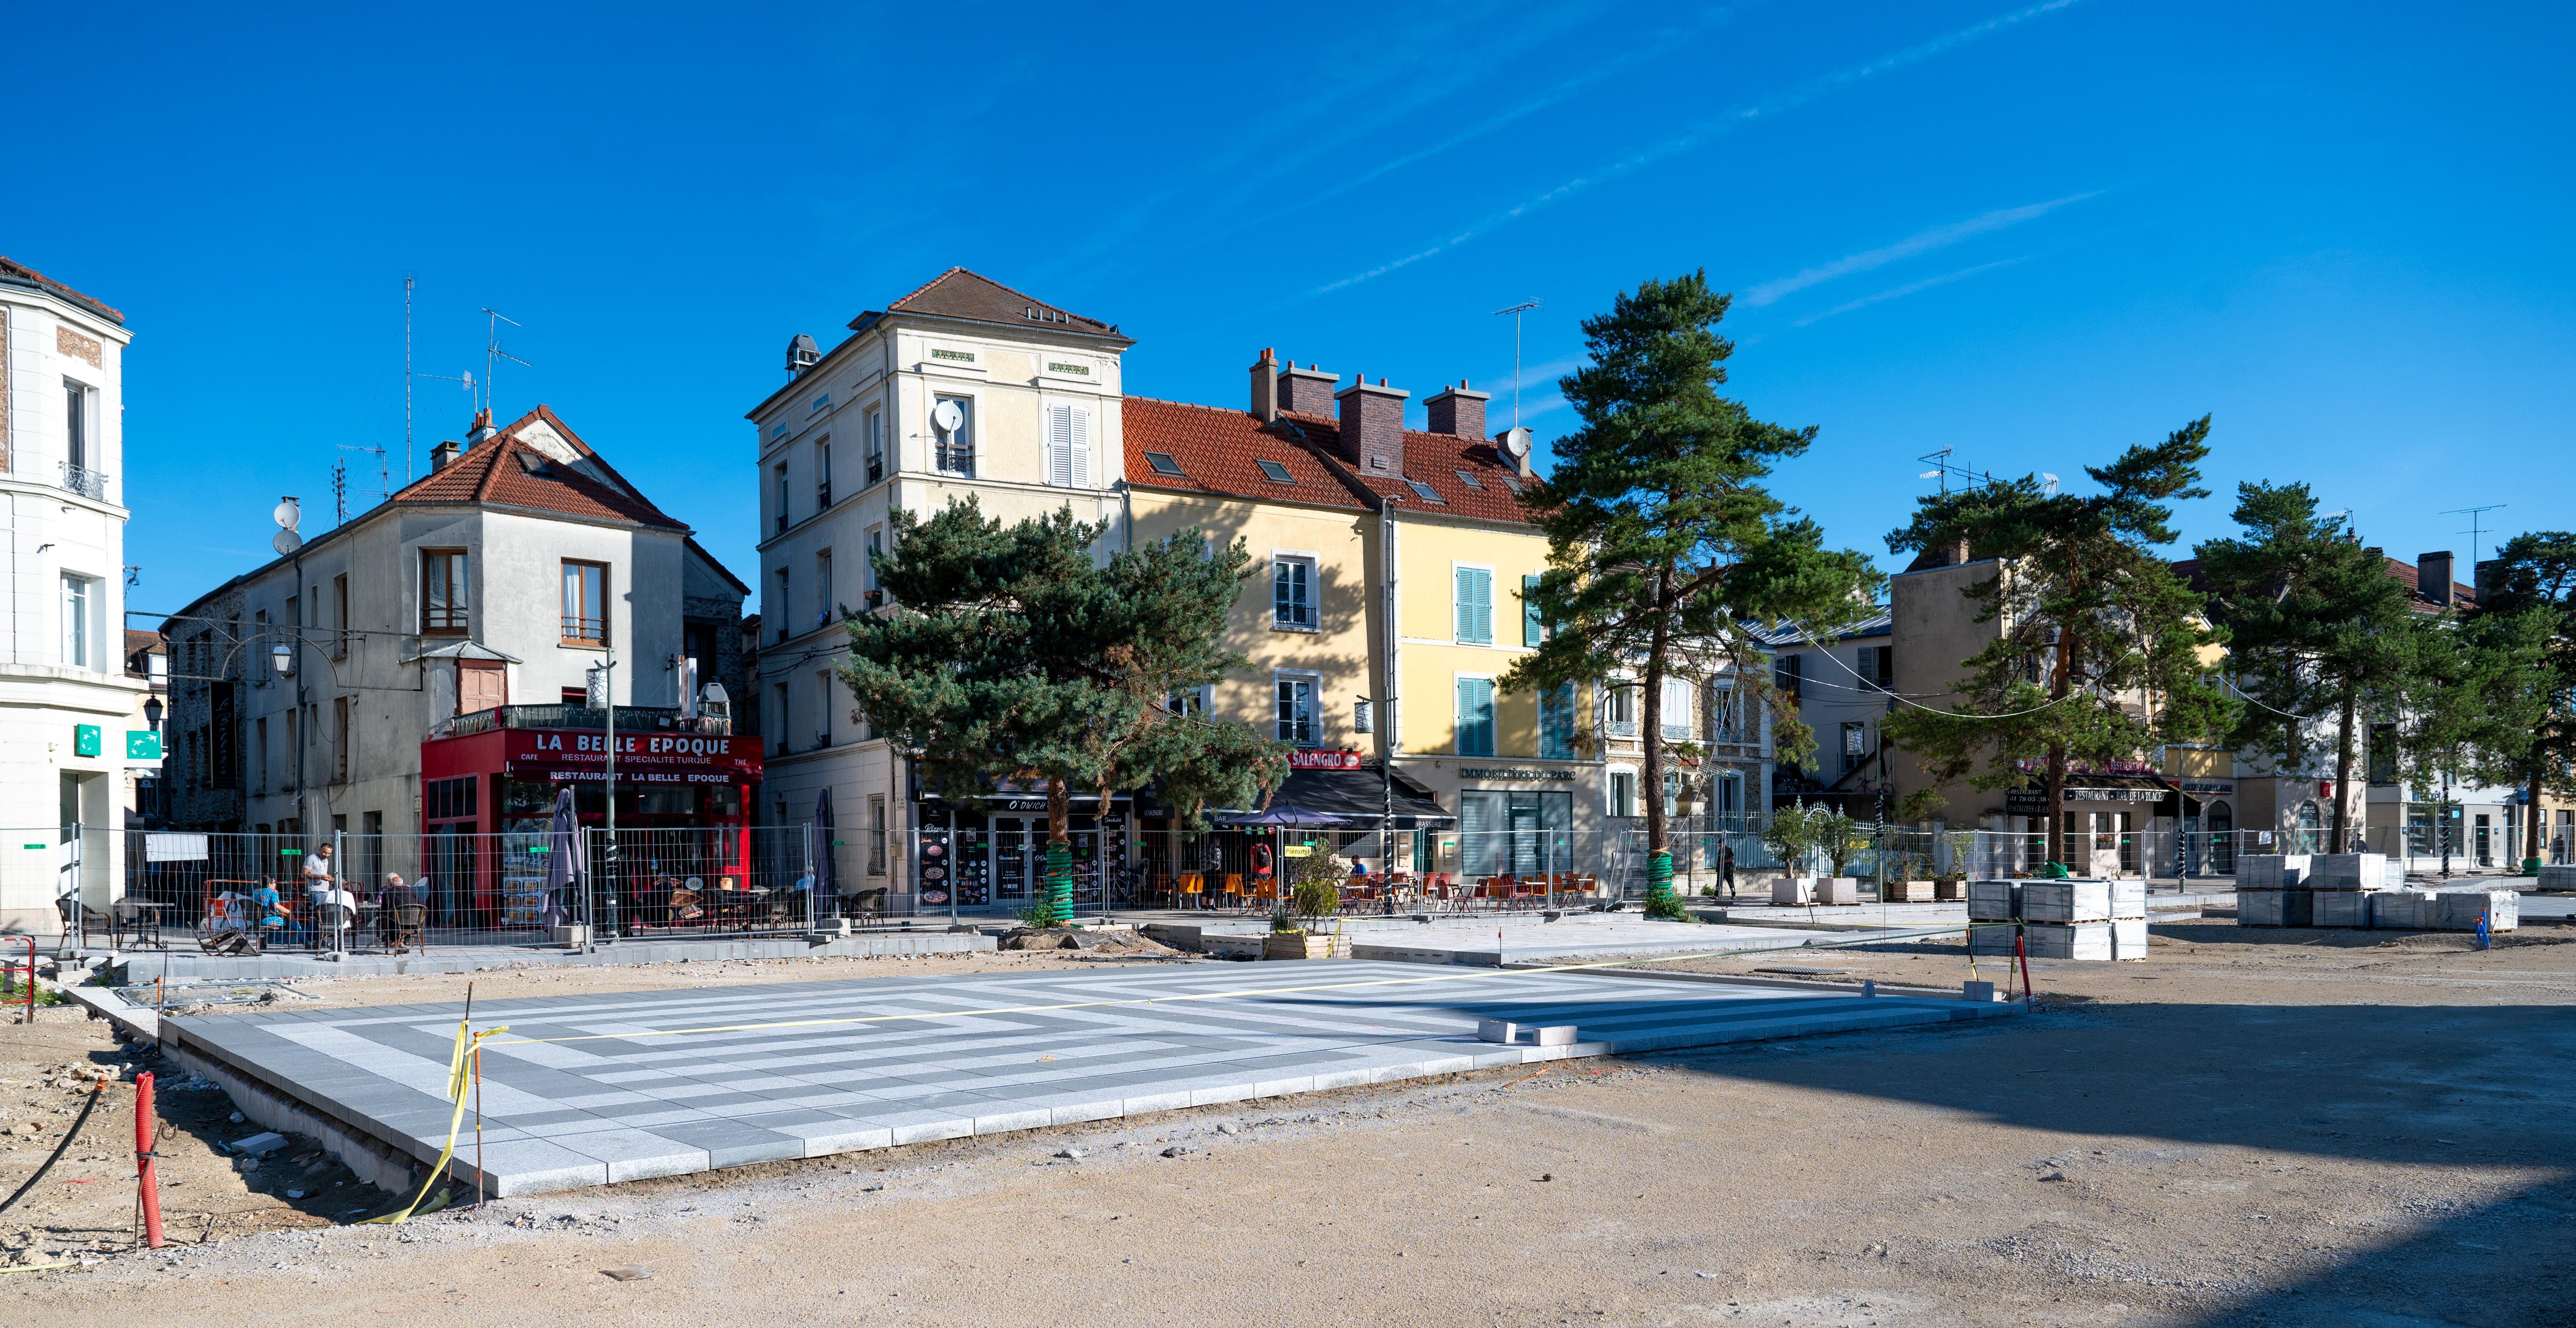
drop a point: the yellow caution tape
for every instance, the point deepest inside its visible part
(459, 1076)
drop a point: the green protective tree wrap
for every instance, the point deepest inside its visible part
(1059, 881)
(1660, 900)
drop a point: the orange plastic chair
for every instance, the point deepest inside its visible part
(1234, 889)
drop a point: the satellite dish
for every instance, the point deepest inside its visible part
(2048, 484)
(287, 541)
(947, 418)
(288, 513)
(1516, 442)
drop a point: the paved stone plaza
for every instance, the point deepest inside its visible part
(593, 1089)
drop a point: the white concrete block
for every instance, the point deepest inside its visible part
(2066, 901)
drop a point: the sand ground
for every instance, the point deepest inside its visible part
(2278, 1127)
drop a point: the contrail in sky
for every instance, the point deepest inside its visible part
(1939, 237)
(1907, 289)
(1787, 101)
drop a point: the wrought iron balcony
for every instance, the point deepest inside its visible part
(85, 482)
(660, 719)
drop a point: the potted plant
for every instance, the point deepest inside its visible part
(1314, 892)
(1840, 839)
(1953, 884)
(1909, 880)
(1790, 835)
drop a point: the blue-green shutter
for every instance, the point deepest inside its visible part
(1531, 630)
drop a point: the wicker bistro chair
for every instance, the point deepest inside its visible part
(410, 921)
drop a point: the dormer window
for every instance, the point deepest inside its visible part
(1163, 463)
(1275, 473)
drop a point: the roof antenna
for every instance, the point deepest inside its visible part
(2473, 513)
(1516, 311)
(493, 354)
(467, 378)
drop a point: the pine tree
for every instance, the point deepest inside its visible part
(1010, 653)
(2098, 649)
(2316, 627)
(2523, 628)
(1662, 540)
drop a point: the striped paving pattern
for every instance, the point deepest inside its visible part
(595, 1089)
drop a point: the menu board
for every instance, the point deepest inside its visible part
(938, 865)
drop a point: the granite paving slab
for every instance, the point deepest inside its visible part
(590, 1090)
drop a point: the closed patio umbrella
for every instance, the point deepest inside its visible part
(827, 872)
(567, 864)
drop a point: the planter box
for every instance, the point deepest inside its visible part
(1305, 945)
(1950, 887)
(2461, 909)
(1838, 890)
(2273, 908)
(2059, 940)
(2271, 871)
(1233, 947)
(1792, 890)
(1994, 901)
(2066, 901)
(2128, 901)
(2404, 910)
(2352, 871)
(1906, 892)
(2341, 908)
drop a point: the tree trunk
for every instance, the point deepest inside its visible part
(2343, 771)
(1059, 812)
(1059, 853)
(1650, 733)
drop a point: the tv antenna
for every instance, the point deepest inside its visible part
(1516, 311)
(1943, 468)
(466, 378)
(2473, 513)
(492, 352)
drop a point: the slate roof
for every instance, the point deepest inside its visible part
(506, 471)
(19, 274)
(976, 298)
(1217, 451)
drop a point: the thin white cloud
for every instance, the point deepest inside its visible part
(1939, 237)
(1909, 288)
(1700, 133)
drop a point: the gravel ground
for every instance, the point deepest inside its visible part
(2248, 1127)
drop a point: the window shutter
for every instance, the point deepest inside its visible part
(1532, 631)
(1059, 446)
(1078, 434)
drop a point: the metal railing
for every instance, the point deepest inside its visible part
(84, 481)
(630, 719)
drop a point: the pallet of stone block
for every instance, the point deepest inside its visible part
(2065, 940)
(2558, 876)
(2066, 901)
(2404, 910)
(2128, 938)
(2459, 910)
(2271, 871)
(2273, 908)
(2341, 908)
(1994, 901)
(1993, 939)
(2129, 901)
(2351, 871)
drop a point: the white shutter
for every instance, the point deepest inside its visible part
(1059, 446)
(1078, 437)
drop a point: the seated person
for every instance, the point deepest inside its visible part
(333, 907)
(267, 910)
(395, 895)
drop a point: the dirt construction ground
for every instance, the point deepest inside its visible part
(2249, 1127)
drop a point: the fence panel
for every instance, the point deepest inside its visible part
(703, 881)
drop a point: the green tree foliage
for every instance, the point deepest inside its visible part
(2523, 633)
(1661, 536)
(2316, 628)
(2099, 648)
(1012, 653)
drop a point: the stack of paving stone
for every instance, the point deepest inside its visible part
(1993, 902)
(2343, 886)
(2445, 910)
(2085, 919)
(2558, 876)
(2272, 890)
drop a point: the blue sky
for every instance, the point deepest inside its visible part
(2034, 234)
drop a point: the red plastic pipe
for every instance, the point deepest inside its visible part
(147, 1181)
(2021, 951)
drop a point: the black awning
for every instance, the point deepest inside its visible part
(1361, 796)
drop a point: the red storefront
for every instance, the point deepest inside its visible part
(683, 800)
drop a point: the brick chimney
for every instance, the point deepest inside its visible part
(1373, 427)
(1265, 386)
(1307, 391)
(2433, 576)
(1458, 411)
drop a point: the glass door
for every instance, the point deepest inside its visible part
(1019, 858)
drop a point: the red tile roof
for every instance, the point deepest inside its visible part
(2462, 596)
(28, 276)
(1217, 450)
(1435, 460)
(505, 471)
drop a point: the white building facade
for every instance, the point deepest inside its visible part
(964, 387)
(65, 700)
